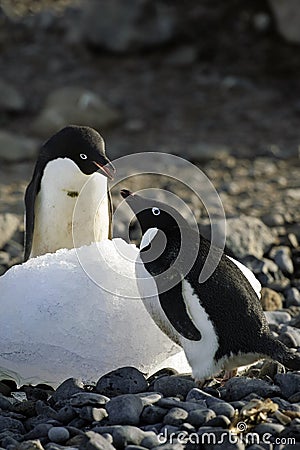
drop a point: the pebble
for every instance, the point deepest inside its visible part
(97, 442)
(270, 299)
(7, 423)
(176, 417)
(174, 386)
(124, 409)
(200, 416)
(277, 317)
(289, 383)
(92, 414)
(153, 414)
(238, 388)
(292, 297)
(88, 399)
(126, 380)
(122, 435)
(282, 257)
(273, 428)
(68, 388)
(58, 434)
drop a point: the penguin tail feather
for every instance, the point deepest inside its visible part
(282, 354)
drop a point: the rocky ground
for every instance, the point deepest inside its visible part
(232, 110)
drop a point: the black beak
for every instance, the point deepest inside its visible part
(125, 193)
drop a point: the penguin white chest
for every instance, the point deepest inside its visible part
(71, 208)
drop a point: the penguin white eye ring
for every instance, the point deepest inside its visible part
(83, 156)
(156, 211)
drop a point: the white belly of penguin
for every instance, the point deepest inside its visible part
(200, 354)
(71, 208)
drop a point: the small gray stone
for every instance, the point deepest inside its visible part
(68, 388)
(174, 386)
(150, 440)
(66, 414)
(58, 434)
(39, 431)
(153, 414)
(273, 428)
(176, 417)
(124, 409)
(88, 399)
(198, 395)
(277, 317)
(286, 405)
(6, 423)
(187, 406)
(219, 421)
(223, 409)
(238, 388)
(97, 442)
(126, 380)
(5, 404)
(292, 297)
(16, 147)
(149, 398)
(282, 257)
(287, 18)
(92, 414)
(289, 383)
(122, 435)
(199, 417)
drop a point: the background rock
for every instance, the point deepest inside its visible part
(74, 105)
(287, 16)
(16, 148)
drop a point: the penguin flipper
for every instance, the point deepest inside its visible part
(173, 305)
(30, 196)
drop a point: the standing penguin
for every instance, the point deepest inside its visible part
(72, 159)
(219, 323)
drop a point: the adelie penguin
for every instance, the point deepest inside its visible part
(71, 169)
(219, 323)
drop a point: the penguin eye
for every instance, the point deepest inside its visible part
(156, 211)
(83, 156)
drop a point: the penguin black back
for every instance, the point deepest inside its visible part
(228, 298)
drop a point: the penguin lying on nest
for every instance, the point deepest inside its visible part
(219, 323)
(66, 162)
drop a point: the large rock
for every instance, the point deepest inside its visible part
(16, 147)
(128, 25)
(74, 105)
(287, 15)
(10, 99)
(248, 235)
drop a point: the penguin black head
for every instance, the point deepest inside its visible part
(83, 145)
(152, 213)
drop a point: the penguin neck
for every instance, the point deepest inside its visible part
(159, 253)
(71, 208)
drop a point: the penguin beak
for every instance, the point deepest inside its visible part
(107, 169)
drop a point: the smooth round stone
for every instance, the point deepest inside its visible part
(223, 409)
(126, 380)
(277, 317)
(200, 416)
(7, 423)
(92, 414)
(167, 430)
(289, 383)
(58, 434)
(150, 440)
(197, 395)
(238, 388)
(149, 398)
(124, 410)
(292, 297)
(273, 428)
(67, 389)
(39, 431)
(219, 421)
(153, 414)
(173, 386)
(123, 435)
(66, 414)
(176, 417)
